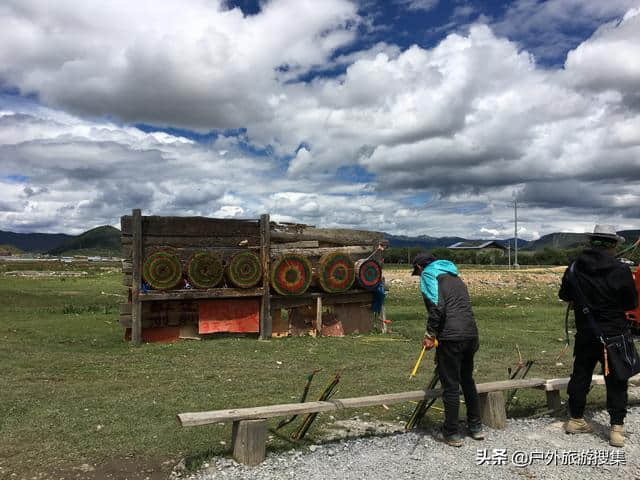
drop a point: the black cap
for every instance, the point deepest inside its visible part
(422, 260)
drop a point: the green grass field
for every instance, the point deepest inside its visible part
(74, 392)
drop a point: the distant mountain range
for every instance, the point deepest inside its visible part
(105, 240)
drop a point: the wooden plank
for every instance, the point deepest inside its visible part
(136, 311)
(127, 280)
(492, 410)
(509, 384)
(301, 244)
(191, 226)
(240, 242)
(249, 441)
(200, 294)
(318, 252)
(203, 418)
(266, 326)
(335, 236)
(125, 309)
(319, 316)
(127, 267)
(352, 296)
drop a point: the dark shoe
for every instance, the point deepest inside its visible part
(454, 440)
(476, 432)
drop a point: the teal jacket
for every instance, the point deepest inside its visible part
(447, 301)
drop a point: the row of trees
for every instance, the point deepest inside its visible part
(548, 256)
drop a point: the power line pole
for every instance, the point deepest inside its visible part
(515, 212)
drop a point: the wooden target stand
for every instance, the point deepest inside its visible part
(321, 312)
(187, 235)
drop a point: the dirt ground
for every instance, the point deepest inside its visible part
(482, 281)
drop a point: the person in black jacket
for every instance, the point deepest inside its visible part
(451, 322)
(608, 286)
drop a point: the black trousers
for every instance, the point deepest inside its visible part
(588, 351)
(455, 369)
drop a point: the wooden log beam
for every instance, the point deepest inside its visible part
(332, 236)
(201, 294)
(265, 305)
(318, 252)
(204, 418)
(136, 280)
(191, 226)
(239, 242)
(352, 296)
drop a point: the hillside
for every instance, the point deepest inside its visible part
(571, 240)
(103, 240)
(33, 242)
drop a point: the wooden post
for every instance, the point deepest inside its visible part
(319, 316)
(136, 306)
(249, 441)
(492, 409)
(554, 402)
(383, 318)
(265, 248)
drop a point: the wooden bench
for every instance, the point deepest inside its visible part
(553, 386)
(250, 426)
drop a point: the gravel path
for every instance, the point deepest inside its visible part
(527, 448)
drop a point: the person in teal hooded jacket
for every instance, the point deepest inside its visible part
(451, 321)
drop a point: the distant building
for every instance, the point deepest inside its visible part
(477, 245)
(491, 250)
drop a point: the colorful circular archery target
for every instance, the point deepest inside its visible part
(244, 270)
(291, 274)
(368, 274)
(205, 270)
(162, 270)
(336, 272)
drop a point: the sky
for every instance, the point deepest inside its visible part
(413, 117)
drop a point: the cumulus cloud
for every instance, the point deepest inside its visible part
(549, 28)
(463, 124)
(197, 64)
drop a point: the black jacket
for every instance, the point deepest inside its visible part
(608, 287)
(452, 318)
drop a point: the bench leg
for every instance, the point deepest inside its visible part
(249, 441)
(553, 400)
(492, 409)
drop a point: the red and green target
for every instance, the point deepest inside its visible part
(162, 270)
(336, 272)
(368, 274)
(291, 274)
(204, 270)
(244, 270)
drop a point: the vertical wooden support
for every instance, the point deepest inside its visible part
(265, 248)
(554, 402)
(136, 306)
(319, 316)
(249, 441)
(383, 320)
(492, 409)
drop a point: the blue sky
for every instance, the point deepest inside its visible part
(408, 116)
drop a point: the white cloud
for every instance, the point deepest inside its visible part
(464, 123)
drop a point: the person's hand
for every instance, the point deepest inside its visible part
(429, 342)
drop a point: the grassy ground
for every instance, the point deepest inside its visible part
(74, 392)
